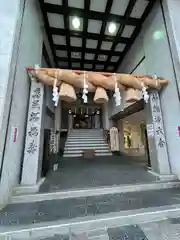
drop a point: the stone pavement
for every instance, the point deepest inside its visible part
(63, 209)
(168, 229)
(78, 173)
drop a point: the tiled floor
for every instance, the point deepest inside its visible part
(77, 173)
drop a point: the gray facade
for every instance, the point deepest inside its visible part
(22, 37)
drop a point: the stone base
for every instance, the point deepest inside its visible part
(89, 154)
(27, 189)
(164, 177)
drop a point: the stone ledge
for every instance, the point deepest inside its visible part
(95, 191)
(164, 177)
(27, 189)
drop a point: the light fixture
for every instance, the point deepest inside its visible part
(76, 54)
(112, 28)
(70, 111)
(158, 35)
(76, 22)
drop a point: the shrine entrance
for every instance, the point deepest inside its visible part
(83, 122)
(88, 117)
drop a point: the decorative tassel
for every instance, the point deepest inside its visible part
(117, 94)
(85, 90)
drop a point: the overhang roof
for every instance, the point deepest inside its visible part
(92, 47)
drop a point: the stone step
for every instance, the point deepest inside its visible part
(82, 147)
(82, 144)
(72, 155)
(95, 191)
(103, 154)
(85, 134)
(81, 151)
(154, 223)
(86, 130)
(85, 137)
(85, 140)
(81, 154)
(86, 143)
(91, 215)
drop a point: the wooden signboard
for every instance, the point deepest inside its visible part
(114, 139)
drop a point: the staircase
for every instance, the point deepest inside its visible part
(79, 140)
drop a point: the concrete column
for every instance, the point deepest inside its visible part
(121, 135)
(70, 122)
(105, 116)
(97, 121)
(32, 153)
(11, 13)
(163, 66)
(156, 135)
(20, 46)
(171, 13)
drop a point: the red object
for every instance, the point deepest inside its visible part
(15, 135)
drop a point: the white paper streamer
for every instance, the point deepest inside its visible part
(55, 92)
(144, 93)
(85, 90)
(117, 94)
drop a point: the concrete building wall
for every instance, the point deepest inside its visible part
(11, 14)
(153, 44)
(158, 59)
(171, 14)
(31, 38)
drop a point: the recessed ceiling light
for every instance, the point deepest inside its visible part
(76, 22)
(112, 28)
(76, 54)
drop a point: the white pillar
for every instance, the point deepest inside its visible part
(33, 152)
(156, 135)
